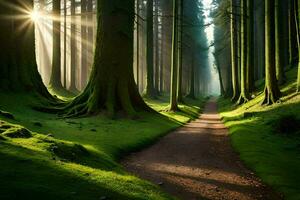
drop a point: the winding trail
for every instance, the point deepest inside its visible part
(197, 162)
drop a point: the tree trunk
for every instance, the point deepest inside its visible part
(111, 87)
(244, 96)
(156, 31)
(234, 56)
(298, 40)
(272, 92)
(18, 67)
(292, 34)
(250, 51)
(192, 78)
(90, 34)
(73, 49)
(55, 79)
(222, 89)
(174, 63)
(150, 90)
(84, 44)
(180, 45)
(138, 43)
(279, 39)
(65, 44)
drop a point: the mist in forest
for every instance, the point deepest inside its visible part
(214, 82)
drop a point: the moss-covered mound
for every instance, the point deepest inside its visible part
(17, 132)
(70, 152)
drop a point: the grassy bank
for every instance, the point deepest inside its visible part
(268, 138)
(77, 158)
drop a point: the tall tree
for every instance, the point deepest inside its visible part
(292, 33)
(250, 51)
(18, 67)
(180, 47)
(65, 44)
(244, 96)
(234, 49)
(111, 87)
(156, 32)
(279, 41)
(138, 43)
(174, 61)
(191, 93)
(90, 34)
(84, 44)
(150, 90)
(298, 41)
(73, 50)
(272, 92)
(55, 79)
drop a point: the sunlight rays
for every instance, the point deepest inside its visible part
(43, 19)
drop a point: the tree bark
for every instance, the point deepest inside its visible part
(55, 79)
(250, 51)
(174, 61)
(111, 87)
(138, 43)
(298, 41)
(150, 90)
(73, 49)
(272, 92)
(180, 45)
(157, 48)
(65, 44)
(84, 44)
(234, 56)
(192, 79)
(244, 96)
(279, 41)
(292, 34)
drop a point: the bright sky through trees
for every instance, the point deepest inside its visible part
(215, 83)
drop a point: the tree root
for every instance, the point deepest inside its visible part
(270, 98)
(242, 100)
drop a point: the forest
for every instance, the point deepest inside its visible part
(149, 99)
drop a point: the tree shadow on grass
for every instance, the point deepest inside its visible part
(25, 174)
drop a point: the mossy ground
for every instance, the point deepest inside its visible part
(273, 154)
(78, 158)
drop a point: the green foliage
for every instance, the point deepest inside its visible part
(255, 135)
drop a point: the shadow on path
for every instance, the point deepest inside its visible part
(198, 162)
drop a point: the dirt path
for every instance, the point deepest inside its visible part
(197, 162)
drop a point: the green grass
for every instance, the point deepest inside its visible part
(273, 155)
(78, 158)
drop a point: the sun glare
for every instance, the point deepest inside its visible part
(35, 15)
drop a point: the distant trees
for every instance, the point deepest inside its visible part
(55, 79)
(250, 58)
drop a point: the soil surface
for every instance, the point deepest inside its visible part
(197, 162)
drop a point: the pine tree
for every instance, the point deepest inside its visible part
(111, 87)
(272, 92)
(55, 79)
(174, 61)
